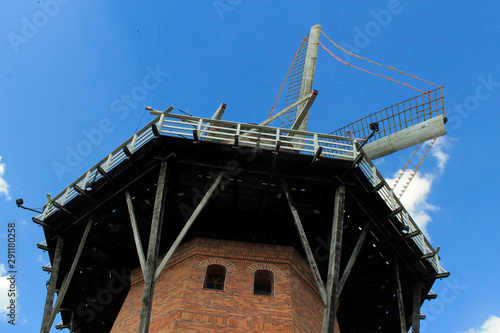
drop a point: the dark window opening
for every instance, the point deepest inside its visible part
(263, 282)
(215, 277)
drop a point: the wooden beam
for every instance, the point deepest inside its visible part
(153, 248)
(304, 114)
(410, 235)
(334, 261)
(105, 175)
(377, 187)
(399, 294)
(392, 214)
(305, 243)
(285, 110)
(43, 224)
(69, 276)
(423, 257)
(83, 193)
(108, 198)
(386, 238)
(187, 226)
(354, 256)
(137, 235)
(61, 207)
(354, 163)
(417, 301)
(52, 282)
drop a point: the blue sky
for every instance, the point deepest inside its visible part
(70, 68)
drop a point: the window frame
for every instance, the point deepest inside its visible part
(205, 280)
(272, 275)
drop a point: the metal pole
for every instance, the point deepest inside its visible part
(309, 69)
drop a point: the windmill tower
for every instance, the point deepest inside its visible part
(206, 225)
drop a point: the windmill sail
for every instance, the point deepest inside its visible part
(402, 125)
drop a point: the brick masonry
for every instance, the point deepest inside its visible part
(181, 304)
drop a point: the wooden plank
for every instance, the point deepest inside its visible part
(354, 256)
(305, 243)
(187, 226)
(69, 276)
(399, 294)
(52, 282)
(334, 261)
(417, 301)
(137, 235)
(153, 248)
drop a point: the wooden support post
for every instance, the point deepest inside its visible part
(309, 70)
(305, 243)
(188, 225)
(334, 261)
(68, 277)
(72, 322)
(137, 235)
(354, 256)
(417, 301)
(399, 294)
(52, 282)
(153, 248)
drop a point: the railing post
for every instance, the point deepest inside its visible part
(198, 128)
(132, 144)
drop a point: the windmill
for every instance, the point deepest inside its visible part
(306, 217)
(401, 126)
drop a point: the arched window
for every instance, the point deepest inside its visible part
(263, 283)
(215, 277)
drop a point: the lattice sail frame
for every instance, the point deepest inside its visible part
(399, 116)
(294, 85)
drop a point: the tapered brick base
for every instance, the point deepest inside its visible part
(181, 304)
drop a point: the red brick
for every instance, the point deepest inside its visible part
(182, 305)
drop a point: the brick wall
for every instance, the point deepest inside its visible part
(181, 304)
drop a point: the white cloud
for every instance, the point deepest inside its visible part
(491, 325)
(4, 287)
(416, 195)
(437, 151)
(4, 186)
(415, 200)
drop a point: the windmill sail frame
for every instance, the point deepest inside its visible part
(394, 120)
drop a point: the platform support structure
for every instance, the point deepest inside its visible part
(417, 294)
(334, 261)
(51, 289)
(153, 249)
